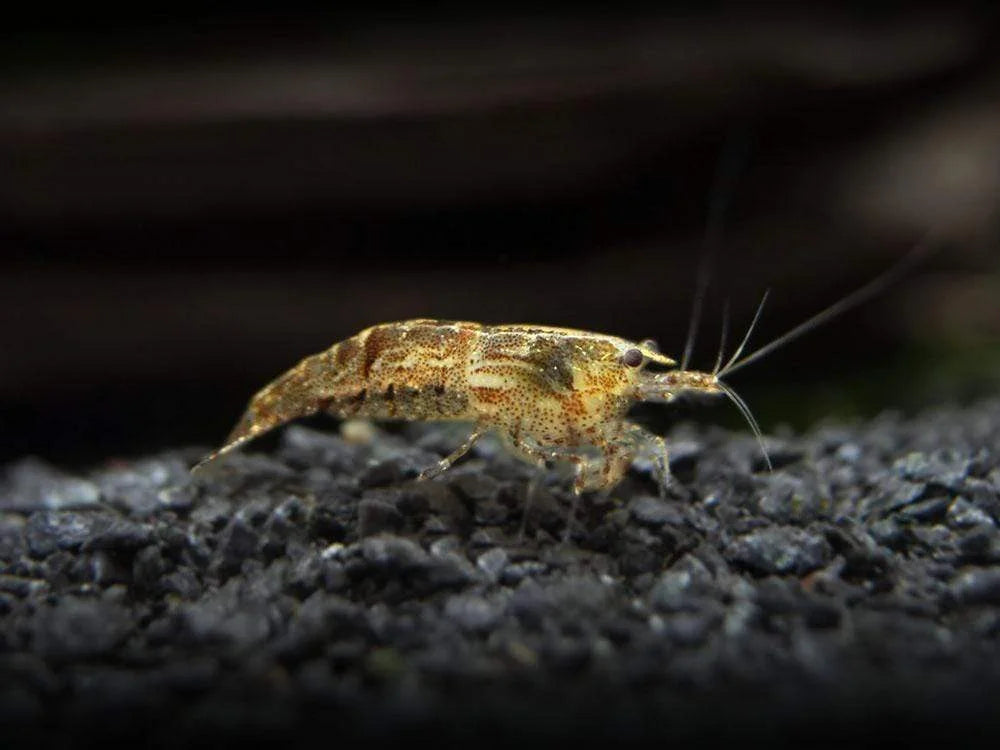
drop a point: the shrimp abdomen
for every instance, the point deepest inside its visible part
(409, 370)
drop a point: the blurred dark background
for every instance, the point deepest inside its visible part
(190, 204)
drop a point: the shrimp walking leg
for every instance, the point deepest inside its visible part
(443, 465)
(531, 451)
(598, 474)
(643, 442)
(534, 487)
(591, 471)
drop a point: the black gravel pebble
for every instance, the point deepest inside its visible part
(779, 549)
(79, 628)
(322, 588)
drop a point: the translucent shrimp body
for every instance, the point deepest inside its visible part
(553, 394)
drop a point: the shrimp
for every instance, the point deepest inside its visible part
(552, 394)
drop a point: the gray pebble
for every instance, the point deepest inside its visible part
(76, 628)
(980, 545)
(474, 486)
(977, 586)
(48, 531)
(326, 522)
(222, 619)
(148, 568)
(180, 498)
(652, 511)
(301, 445)
(787, 498)
(689, 629)
(32, 484)
(473, 612)
(779, 550)
(925, 511)
(963, 514)
(516, 572)
(889, 533)
(118, 534)
(237, 542)
(20, 586)
(985, 495)
(136, 488)
(943, 467)
(685, 582)
(382, 473)
(492, 562)
(892, 492)
(213, 513)
(449, 570)
(393, 552)
(376, 515)
(183, 583)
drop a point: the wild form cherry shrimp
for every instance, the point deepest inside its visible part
(552, 394)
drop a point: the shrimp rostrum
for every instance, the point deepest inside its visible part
(552, 394)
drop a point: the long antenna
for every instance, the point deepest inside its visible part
(723, 187)
(746, 338)
(751, 420)
(855, 298)
(701, 286)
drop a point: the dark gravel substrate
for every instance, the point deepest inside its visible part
(321, 591)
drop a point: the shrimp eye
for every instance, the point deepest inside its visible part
(632, 358)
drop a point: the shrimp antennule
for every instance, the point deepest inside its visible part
(753, 323)
(722, 339)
